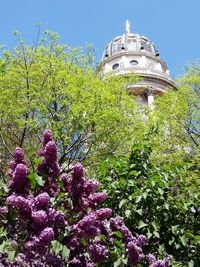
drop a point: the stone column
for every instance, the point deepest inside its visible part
(150, 98)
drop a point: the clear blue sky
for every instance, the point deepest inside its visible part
(173, 25)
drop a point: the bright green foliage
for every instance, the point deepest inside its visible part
(177, 120)
(159, 201)
(54, 86)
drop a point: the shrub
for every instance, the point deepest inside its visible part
(157, 201)
(49, 218)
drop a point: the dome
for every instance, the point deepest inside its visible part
(129, 42)
(133, 53)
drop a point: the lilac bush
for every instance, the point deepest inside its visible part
(58, 222)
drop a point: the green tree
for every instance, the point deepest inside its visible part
(176, 119)
(53, 86)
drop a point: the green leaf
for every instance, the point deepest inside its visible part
(138, 199)
(37, 161)
(142, 224)
(139, 211)
(156, 234)
(123, 202)
(149, 234)
(160, 190)
(144, 195)
(117, 263)
(39, 180)
(184, 240)
(4, 186)
(191, 263)
(127, 213)
(174, 229)
(65, 252)
(155, 225)
(56, 246)
(117, 233)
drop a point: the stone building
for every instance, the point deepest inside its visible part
(131, 52)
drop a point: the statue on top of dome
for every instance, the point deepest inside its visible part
(128, 26)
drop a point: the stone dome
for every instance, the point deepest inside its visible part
(132, 52)
(129, 42)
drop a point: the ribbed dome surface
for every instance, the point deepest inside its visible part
(129, 42)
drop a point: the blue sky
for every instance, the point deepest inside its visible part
(173, 25)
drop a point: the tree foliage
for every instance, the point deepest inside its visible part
(176, 119)
(52, 85)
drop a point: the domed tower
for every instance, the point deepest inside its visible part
(134, 53)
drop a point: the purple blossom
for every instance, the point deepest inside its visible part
(78, 261)
(50, 152)
(20, 174)
(18, 155)
(133, 253)
(90, 186)
(98, 197)
(12, 165)
(42, 200)
(67, 182)
(87, 221)
(98, 252)
(39, 218)
(141, 241)
(157, 263)
(78, 171)
(48, 136)
(103, 213)
(91, 232)
(47, 235)
(21, 203)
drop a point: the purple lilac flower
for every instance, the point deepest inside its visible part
(19, 182)
(48, 136)
(78, 171)
(78, 261)
(21, 203)
(98, 252)
(18, 155)
(103, 213)
(42, 200)
(54, 170)
(12, 165)
(87, 221)
(90, 232)
(47, 235)
(90, 186)
(60, 220)
(54, 260)
(151, 258)
(67, 182)
(133, 253)
(98, 197)
(39, 218)
(50, 152)
(157, 263)
(141, 241)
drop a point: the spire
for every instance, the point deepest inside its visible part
(128, 26)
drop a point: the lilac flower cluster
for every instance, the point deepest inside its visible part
(88, 232)
(19, 182)
(133, 245)
(158, 263)
(49, 166)
(83, 191)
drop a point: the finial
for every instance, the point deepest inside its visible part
(128, 26)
